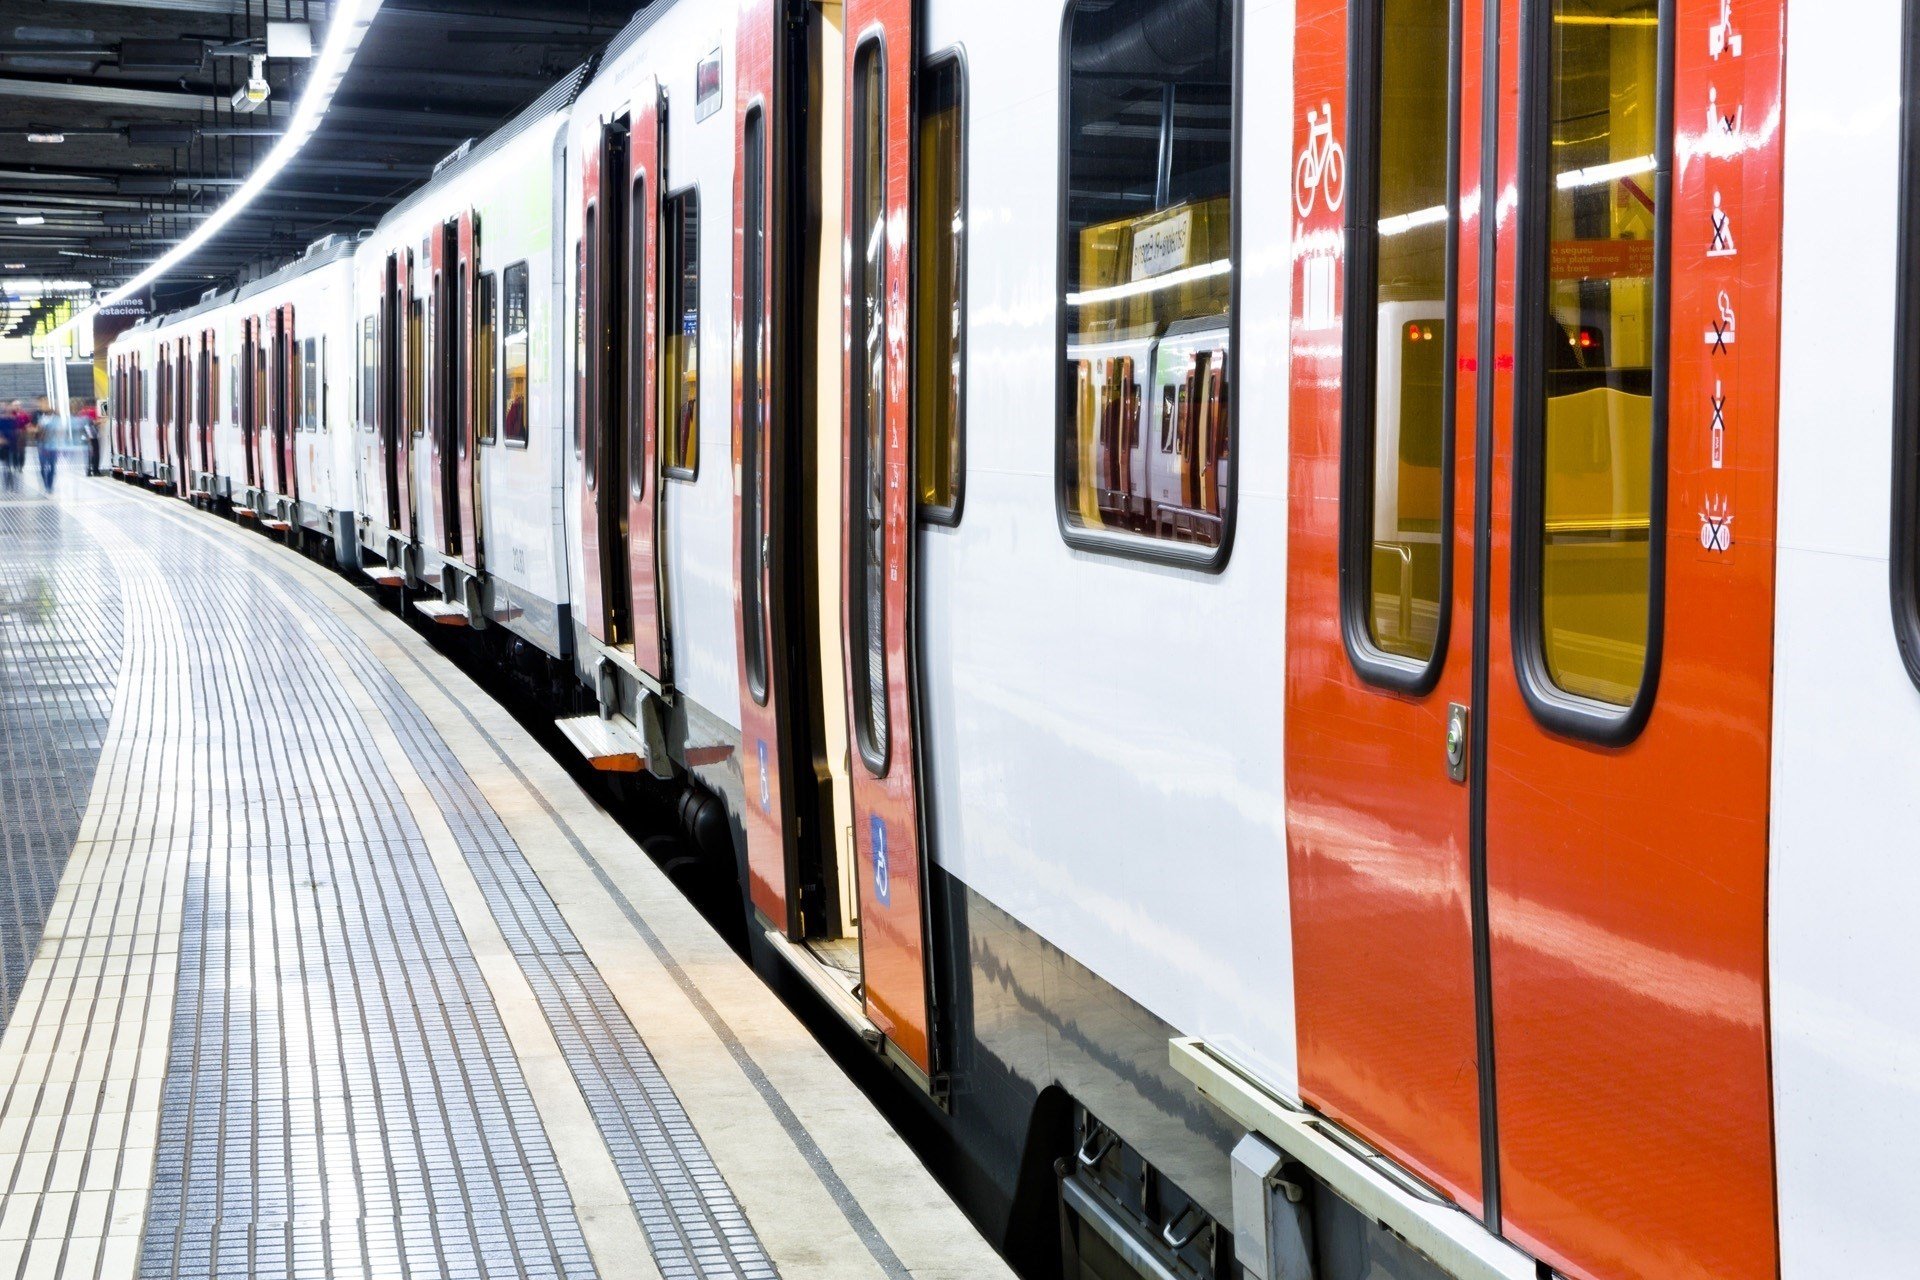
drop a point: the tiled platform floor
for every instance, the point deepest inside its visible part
(305, 1002)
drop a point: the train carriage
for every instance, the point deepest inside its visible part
(296, 382)
(1283, 604)
(457, 329)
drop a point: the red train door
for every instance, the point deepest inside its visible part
(764, 420)
(1630, 620)
(880, 526)
(439, 371)
(467, 489)
(1528, 784)
(187, 417)
(288, 352)
(396, 423)
(599, 439)
(640, 369)
(209, 395)
(1379, 604)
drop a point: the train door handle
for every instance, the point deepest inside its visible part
(1459, 734)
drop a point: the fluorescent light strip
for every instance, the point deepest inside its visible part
(1172, 280)
(1600, 174)
(1601, 20)
(20, 288)
(346, 27)
(1401, 223)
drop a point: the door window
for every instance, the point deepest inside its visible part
(486, 339)
(680, 316)
(1589, 439)
(369, 372)
(416, 367)
(1147, 250)
(867, 407)
(1396, 490)
(514, 423)
(940, 213)
(1905, 549)
(753, 536)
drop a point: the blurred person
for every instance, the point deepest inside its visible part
(49, 437)
(12, 438)
(86, 433)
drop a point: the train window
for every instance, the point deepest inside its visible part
(1396, 454)
(592, 335)
(486, 330)
(753, 408)
(1147, 279)
(1591, 393)
(867, 406)
(515, 358)
(579, 346)
(214, 388)
(637, 333)
(369, 372)
(680, 316)
(1905, 549)
(416, 367)
(310, 384)
(940, 214)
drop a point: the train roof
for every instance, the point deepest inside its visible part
(556, 99)
(630, 34)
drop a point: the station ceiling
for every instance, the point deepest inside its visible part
(118, 124)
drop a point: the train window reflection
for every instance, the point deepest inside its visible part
(680, 315)
(1403, 366)
(1597, 364)
(940, 286)
(514, 426)
(1149, 278)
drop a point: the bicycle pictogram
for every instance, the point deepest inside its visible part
(1322, 165)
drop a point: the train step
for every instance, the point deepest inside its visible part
(443, 612)
(611, 746)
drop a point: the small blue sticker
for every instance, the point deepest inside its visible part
(882, 872)
(766, 785)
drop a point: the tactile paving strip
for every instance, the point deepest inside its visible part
(340, 1096)
(59, 655)
(694, 1225)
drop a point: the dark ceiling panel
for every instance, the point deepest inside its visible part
(133, 102)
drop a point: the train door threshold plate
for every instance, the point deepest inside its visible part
(1453, 1240)
(444, 612)
(615, 745)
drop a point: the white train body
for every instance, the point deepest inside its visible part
(971, 495)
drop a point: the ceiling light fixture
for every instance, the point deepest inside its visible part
(345, 30)
(46, 137)
(31, 220)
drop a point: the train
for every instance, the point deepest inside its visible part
(1305, 614)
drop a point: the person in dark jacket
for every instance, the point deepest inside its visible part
(13, 446)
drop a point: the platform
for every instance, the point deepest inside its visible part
(314, 964)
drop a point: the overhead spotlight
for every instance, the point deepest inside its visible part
(250, 95)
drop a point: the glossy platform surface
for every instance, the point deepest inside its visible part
(345, 977)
